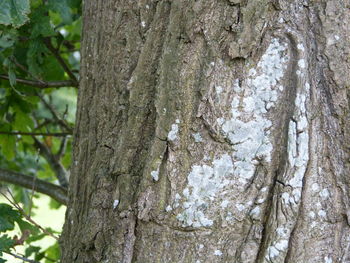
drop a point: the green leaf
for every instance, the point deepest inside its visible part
(8, 216)
(6, 243)
(14, 12)
(33, 238)
(23, 122)
(53, 70)
(8, 146)
(53, 252)
(61, 7)
(31, 250)
(7, 41)
(41, 26)
(24, 225)
(35, 56)
(12, 77)
(54, 204)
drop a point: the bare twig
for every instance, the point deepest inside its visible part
(28, 218)
(54, 163)
(24, 69)
(44, 123)
(61, 122)
(54, 191)
(42, 84)
(32, 196)
(60, 60)
(21, 258)
(62, 148)
(55, 134)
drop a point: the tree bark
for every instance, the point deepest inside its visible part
(211, 131)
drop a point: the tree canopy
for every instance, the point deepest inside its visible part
(39, 66)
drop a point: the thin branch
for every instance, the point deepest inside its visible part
(44, 123)
(54, 191)
(60, 60)
(21, 258)
(28, 218)
(54, 163)
(55, 134)
(42, 84)
(62, 148)
(61, 122)
(32, 196)
(25, 70)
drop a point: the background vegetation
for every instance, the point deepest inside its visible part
(39, 65)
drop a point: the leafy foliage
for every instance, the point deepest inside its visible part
(39, 65)
(14, 12)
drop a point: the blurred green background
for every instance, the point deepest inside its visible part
(39, 75)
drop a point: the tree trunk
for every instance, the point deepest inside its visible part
(212, 131)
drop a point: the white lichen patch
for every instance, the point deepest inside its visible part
(197, 137)
(248, 128)
(324, 193)
(328, 259)
(224, 203)
(315, 187)
(218, 90)
(298, 144)
(172, 135)
(298, 157)
(255, 213)
(322, 213)
(229, 217)
(300, 47)
(312, 215)
(155, 175)
(115, 203)
(278, 247)
(282, 232)
(301, 63)
(240, 207)
(204, 184)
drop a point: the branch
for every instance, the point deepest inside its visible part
(60, 60)
(55, 134)
(54, 191)
(28, 218)
(43, 84)
(21, 258)
(54, 163)
(63, 123)
(62, 148)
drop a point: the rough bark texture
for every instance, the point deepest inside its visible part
(212, 131)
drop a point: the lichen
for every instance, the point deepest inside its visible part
(328, 260)
(172, 135)
(115, 203)
(324, 193)
(247, 129)
(204, 183)
(277, 248)
(197, 137)
(155, 175)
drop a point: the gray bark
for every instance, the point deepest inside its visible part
(211, 131)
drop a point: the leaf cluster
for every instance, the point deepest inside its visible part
(39, 74)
